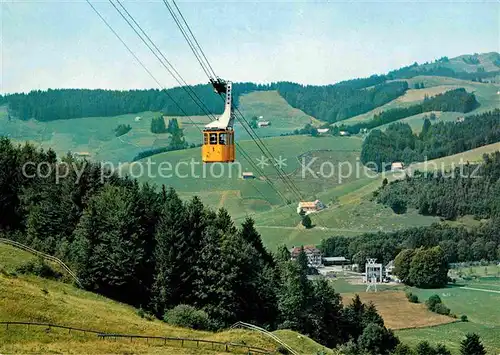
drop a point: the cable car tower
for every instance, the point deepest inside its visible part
(373, 271)
(218, 135)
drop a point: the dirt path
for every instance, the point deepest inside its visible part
(225, 194)
(321, 228)
(480, 289)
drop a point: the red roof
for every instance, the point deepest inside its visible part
(307, 249)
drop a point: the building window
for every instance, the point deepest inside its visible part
(213, 138)
(205, 138)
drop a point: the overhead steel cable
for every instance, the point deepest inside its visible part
(191, 32)
(141, 63)
(171, 98)
(170, 68)
(264, 150)
(188, 40)
(196, 99)
(258, 141)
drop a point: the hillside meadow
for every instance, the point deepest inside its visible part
(33, 299)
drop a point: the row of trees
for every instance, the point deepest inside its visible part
(122, 129)
(398, 143)
(457, 243)
(457, 100)
(467, 190)
(59, 104)
(438, 69)
(149, 248)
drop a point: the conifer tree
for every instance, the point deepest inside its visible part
(472, 345)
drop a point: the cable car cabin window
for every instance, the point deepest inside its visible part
(222, 138)
(205, 138)
(213, 138)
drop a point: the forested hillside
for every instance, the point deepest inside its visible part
(468, 190)
(338, 102)
(398, 143)
(149, 248)
(457, 100)
(474, 68)
(74, 103)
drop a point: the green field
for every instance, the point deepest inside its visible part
(417, 121)
(445, 163)
(481, 308)
(217, 179)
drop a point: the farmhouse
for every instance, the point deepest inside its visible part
(309, 207)
(389, 268)
(460, 119)
(247, 175)
(323, 130)
(263, 123)
(344, 133)
(397, 166)
(313, 255)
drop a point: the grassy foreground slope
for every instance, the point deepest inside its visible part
(29, 298)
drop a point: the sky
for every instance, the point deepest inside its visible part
(64, 44)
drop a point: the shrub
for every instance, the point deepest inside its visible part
(413, 298)
(40, 268)
(432, 302)
(141, 313)
(441, 309)
(464, 318)
(187, 316)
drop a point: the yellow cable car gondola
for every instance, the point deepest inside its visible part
(218, 136)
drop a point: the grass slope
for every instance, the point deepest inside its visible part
(29, 298)
(486, 95)
(445, 163)
(221, 185)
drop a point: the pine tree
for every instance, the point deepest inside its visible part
(282, 254)
(472, 345)
(326, 314)
(306, 221)
(302, 261)
(294, 298)
(109, 245)
(251, 236)
(9, 185)
(168, 256)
